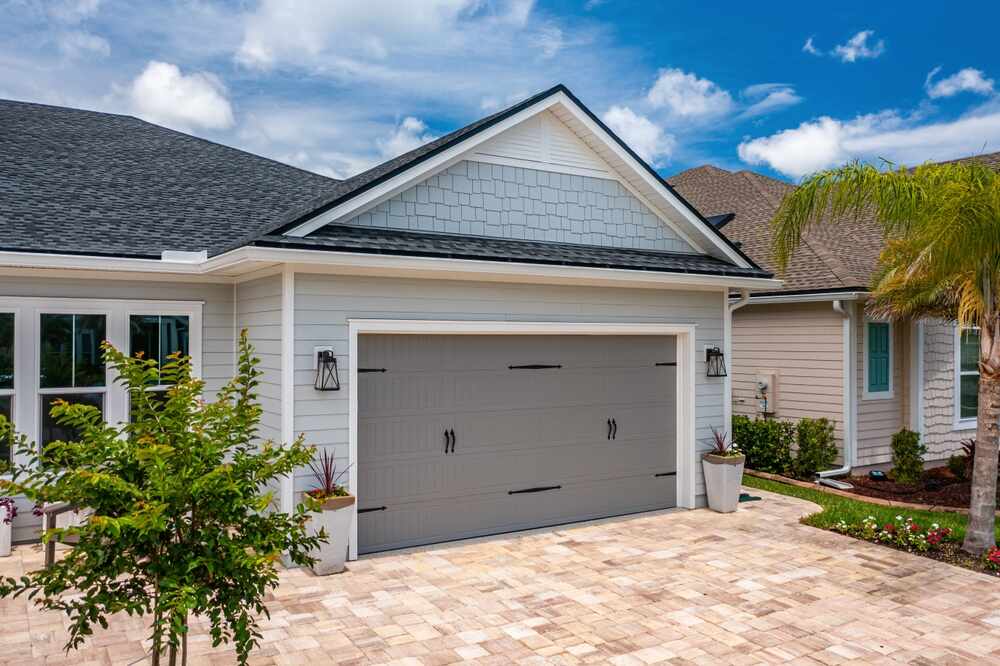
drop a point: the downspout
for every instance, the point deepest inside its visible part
(849, 391)
(744, 299)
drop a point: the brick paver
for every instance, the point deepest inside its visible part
(683, 587)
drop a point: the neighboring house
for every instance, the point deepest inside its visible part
(827, 358)
(519, 311)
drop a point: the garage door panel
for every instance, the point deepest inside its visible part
(515, 430)
(426, 522)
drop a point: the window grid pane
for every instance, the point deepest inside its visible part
(6, 350)
(156, 337)
(52, 431)
(969, 357)
(70, 351)
(6, 409)
(969, 397)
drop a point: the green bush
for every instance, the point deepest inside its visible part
(956, 464)
(817, 449)
(907, 457)
(765, 442)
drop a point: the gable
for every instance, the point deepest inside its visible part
(500, 201)
(547, 143)
(366, 190)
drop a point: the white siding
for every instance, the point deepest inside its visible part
(941, 438)
(802, 345)
(324, 304)
(258, 310)
(217, 329)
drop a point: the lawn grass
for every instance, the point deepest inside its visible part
(851, 511)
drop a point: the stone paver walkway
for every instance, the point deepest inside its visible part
(691, 587)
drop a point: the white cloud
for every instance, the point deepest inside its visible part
(768, 97)
(685, 95)
(77, 43)
(342, 36)
(73, 11)
(549, 40)
(827, 142)
(409, 134)
(965, 80)
(163, 94)
(809, 47)
(857, 47)
(640, 133)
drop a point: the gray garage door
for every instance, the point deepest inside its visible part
(468, 435)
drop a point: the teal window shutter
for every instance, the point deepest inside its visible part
(878, 357)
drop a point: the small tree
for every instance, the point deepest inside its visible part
(907, 457)
(182, 522)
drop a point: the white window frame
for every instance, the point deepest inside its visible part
(12, 392)
(958, 422)
(879, 395)
(27, 349)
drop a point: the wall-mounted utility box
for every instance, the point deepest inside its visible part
(767, 394)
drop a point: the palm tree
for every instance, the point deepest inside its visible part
(941, 259)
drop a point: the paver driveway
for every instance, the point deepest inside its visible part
(677, 587)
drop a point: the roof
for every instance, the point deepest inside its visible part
(828, 258)
(84, 182)
(92, 183)
(368, 240)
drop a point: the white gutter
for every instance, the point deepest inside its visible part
(246, 259)
(849, 395)
(810, 297)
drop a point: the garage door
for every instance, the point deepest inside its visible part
(468, 435)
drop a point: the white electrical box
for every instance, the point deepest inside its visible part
(767, 394)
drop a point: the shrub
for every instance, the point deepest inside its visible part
(903, 533)
(817, 449)
(181, 500)
(907, 457)
(957, 466)
(992, 559)
(765, 442)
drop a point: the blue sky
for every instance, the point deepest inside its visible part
(335, 87)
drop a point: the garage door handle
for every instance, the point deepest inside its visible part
(539, 489)
(614, 429)
(452, 440)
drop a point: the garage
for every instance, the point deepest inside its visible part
(469, 435)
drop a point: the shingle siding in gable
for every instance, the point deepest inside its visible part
(480, 199)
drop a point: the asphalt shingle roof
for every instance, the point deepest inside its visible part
(368, 240)
(84, 182)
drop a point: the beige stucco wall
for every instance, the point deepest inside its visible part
(802, 344)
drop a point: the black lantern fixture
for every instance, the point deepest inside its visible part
(327, 377)
(716, 362)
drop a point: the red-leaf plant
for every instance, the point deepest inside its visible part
(324, 469)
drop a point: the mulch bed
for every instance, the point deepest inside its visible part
(939, 487)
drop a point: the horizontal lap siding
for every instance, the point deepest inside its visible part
(802, 344)
(217, 329)
(880, 419)
(324, 304)
(258, 307)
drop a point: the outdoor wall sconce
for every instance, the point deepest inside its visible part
(716, 362)
(327, 377)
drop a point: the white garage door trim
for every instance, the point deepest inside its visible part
(685, 335)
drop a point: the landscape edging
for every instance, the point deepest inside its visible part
(855, 496)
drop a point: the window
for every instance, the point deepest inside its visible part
(878, 359)
(967, 365)
(6, 378)
(158, 336)
(71, 367)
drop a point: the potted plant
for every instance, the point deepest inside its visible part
(8, 511)
(334, 517)
(723, 467)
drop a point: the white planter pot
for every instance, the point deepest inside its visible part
(5, 536)
(723, 479)
(335, 520)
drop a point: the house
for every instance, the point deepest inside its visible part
(812, 342)
(517, 313)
